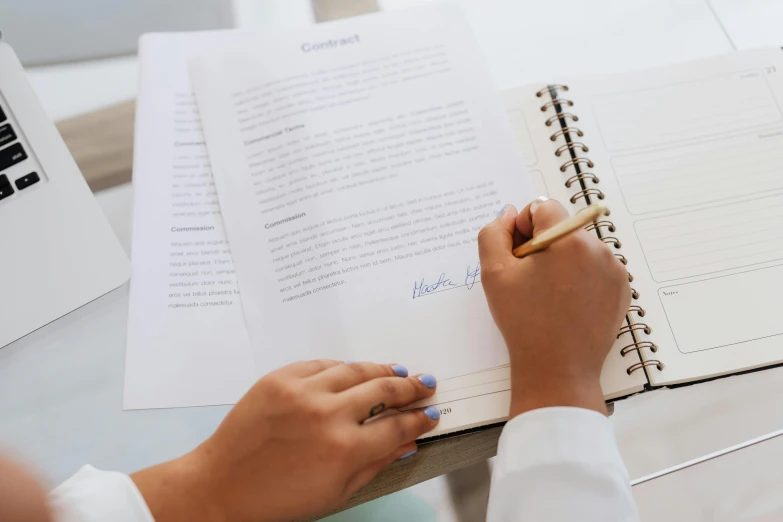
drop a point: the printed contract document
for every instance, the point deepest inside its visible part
(355, 163)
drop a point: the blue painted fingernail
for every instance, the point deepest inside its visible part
(428, 380)
(401, 371)
(432, 412)
(408, 454)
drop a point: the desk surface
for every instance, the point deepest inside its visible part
(61, 387)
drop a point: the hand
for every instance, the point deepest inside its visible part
(558, 310)
(295, 446)
(22, 499)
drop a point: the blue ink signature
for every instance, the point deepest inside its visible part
(472, 275)
(422, 288)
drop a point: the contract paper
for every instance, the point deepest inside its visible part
(355, 163)
(187, 341)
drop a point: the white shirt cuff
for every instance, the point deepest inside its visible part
(99, 496)
(557, 465)
(556, 435)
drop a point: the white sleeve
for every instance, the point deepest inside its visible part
(560, 464)
(98, 496)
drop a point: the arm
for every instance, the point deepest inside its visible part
(557, 457)
(295, 446)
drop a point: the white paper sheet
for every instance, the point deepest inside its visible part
(751, 23)
(187, 342)
(355, 163)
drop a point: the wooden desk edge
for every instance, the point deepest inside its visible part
(432, 460)
(101, 142)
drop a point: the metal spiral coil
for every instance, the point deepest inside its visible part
(561, 116)
(649, 362)
(566, 130)
(581, 179)
(608, 225)
(557, 101)
(570, 146)
(638, 345)
(573, 162)
(587, 192)
(638, 309)
(550, 88)
(628, 328)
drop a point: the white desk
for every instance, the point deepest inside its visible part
(60, 387)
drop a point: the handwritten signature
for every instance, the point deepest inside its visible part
(422, 287)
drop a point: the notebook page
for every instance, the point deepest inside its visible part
(544, 158)
(187, 342)
(690, 161)
(354, 170)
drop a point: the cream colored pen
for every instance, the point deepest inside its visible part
(579, 220)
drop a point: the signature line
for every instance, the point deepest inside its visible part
(447, 289)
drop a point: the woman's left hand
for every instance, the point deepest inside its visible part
(296, 446)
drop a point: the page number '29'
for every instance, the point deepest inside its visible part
(771, 69)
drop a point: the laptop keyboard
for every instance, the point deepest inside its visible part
(12, 153)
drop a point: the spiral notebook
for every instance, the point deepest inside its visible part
(689, 159)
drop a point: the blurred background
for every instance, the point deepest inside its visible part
(52, 31)
(80, 55)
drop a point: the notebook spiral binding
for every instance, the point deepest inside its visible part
(585, 182)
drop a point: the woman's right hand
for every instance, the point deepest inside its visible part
(296, 445)
(558, 310)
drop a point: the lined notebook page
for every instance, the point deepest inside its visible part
(690, 161)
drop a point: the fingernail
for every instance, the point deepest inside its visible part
(536, 202)
(401, 371)
(432, 412)
(501, 211)
(428, 380)
(349, 361)
(409, 454)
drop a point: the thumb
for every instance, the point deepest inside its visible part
(539, 215)
(496, 240)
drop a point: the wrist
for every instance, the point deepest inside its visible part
(532, 392)
(179, 491)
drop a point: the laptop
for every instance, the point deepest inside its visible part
(57, 251)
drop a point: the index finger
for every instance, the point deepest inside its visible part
(344, 376)
(496, 240)
(538, 215)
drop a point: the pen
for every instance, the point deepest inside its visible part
(579, 220)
